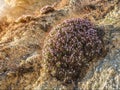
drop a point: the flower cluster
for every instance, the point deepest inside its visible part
(69, 49)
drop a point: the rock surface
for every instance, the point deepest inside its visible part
(21, 42)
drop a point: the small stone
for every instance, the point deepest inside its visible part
(47, 9)
(10, 74)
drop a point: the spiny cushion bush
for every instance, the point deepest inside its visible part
(69, 48)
